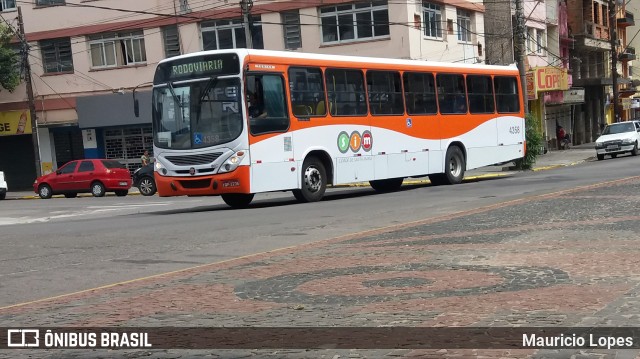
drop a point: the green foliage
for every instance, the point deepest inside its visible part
(9, 61)
(533, 137)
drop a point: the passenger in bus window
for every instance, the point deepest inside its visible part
(256, 107)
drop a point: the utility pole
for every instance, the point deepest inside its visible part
(245, 6)
(613, 37)
(519, 45)
(32, 103)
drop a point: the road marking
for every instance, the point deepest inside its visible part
(336, 239)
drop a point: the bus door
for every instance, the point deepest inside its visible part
(510, 124)
(271, 144)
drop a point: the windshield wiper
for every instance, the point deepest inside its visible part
(210, 84)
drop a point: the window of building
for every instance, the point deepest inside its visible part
(432, 20)
(345, 91)
(420, 93)
(451, 94)
(464, 26)
(351, 22)
(171, 39)
(307, 91)
(540, 41)
(56, 55)
(6, 5)
(385, 93)
(86, 166)
(267, 104)
(480, 92)
(229, 34)
(506, 94)
(117, 49)
(291, 30)
(49, 2)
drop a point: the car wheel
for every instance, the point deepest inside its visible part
(314, 181)
(614, 155)
(71, 195)
(237, 200)
(3, 195)
(387, 185)
(634, 152)
(122, 193)
(600, 157)
(147, 186)
(97, 189)
(44, 191)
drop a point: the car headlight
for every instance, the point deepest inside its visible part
(628, 141)
(599, 144)
(232, 162)
(160, 168)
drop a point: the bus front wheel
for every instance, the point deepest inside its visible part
(314, 181)
(237, 200)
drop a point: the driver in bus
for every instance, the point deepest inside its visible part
(256, 107)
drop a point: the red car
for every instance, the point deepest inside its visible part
(93, 175)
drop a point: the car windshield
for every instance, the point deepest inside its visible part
(618, 128)
(112, 164)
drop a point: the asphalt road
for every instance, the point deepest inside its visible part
(58, 246)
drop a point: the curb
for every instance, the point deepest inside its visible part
(84, 195)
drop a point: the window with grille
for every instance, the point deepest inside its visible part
(352, 22)
(6, 5)
(49, 2)
(171, 40)
(56, 55)
(432, 20)
(117, 49)
(291, 30)
(229, 34)
(464, 26)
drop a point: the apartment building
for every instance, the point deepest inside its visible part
(88, 57)
(633, 43)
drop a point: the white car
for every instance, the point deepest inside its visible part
(3, 186)
(618, 138)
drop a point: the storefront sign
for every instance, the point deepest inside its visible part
(544, 79)
(573, 96)
(15, 123)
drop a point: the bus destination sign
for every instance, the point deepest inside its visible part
(197, 67)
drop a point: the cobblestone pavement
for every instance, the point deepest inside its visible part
(569, 259)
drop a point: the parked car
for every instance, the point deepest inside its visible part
(618, 138)
(3, 186)
(96, 176)
(144, 181)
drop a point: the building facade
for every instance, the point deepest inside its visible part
(88, 58)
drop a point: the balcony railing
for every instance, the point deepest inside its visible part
(629, 54)
(627, 20)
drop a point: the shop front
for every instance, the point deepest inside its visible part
(17, 159)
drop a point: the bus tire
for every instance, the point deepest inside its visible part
(314, 181)
(454, 165)
(387, 185)
(238, 200)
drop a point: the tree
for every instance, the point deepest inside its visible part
(9, 61)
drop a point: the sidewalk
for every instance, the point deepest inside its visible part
(550, 160)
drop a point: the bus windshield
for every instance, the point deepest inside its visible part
(197, 114)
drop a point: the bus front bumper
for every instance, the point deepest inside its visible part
(232, 182)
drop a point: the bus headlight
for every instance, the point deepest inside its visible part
(232, 162)
(160, 168)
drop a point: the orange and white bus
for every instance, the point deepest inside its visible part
(239, 122)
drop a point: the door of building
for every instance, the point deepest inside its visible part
(127, 144)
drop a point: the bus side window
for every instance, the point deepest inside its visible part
(307, 91)
(451, 94)
(345, 91)
(268, 91)
(507, 94)
(385, 93)
(480, 91)
(420, 93)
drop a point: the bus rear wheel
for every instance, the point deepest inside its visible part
(237, 200)
(314, 181)
(387, 185)
(454, 167)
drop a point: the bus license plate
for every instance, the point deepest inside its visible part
(232, 183)
(123, 183)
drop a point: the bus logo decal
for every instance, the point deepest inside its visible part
(343, 142)
(355, 141)
(367, 141)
